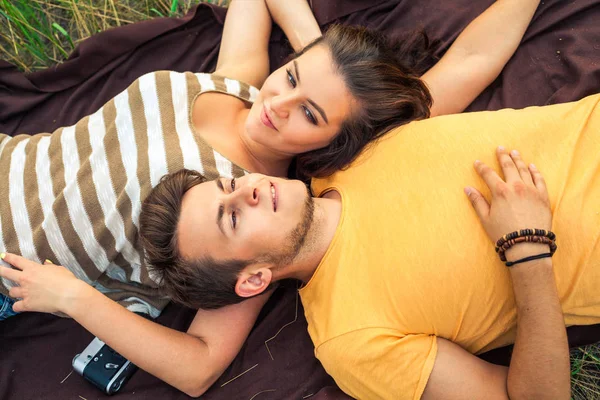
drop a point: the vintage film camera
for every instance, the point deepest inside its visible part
(104, 367)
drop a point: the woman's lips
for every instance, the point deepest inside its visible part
(265, 119)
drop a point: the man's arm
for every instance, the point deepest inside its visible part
(191, 362)
(478, 55)
(297, 21)
(539, 367)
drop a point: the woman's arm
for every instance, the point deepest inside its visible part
(297, 21)
(478, 55)
(191, 362)
(244, 52)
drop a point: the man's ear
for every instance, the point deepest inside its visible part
(253, 280)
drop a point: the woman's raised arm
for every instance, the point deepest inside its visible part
(297, 21)
(478, 55)
(244, 52)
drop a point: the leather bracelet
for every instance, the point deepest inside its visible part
(530, 258)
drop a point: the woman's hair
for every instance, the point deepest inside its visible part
(383, 77)
(196, 283)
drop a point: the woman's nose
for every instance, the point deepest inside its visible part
(282, 103)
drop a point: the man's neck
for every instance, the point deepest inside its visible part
(327, 214)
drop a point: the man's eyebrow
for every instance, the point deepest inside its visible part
(221, 210)
(315, 105)
(220, 185)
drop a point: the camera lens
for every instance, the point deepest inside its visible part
(117, 385)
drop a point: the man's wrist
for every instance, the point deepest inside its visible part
(522, 250)
(532, 271)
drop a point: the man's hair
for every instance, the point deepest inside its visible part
(383, 76)
(203, 283)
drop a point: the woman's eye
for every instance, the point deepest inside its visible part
(291, 79)
(233, 219)
(309, 116)
(233, 184)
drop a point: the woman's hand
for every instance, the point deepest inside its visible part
(296, 19)
(43, 288)
(519, 201)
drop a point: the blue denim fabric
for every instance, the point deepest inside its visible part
(6, 304)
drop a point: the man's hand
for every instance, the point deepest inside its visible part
(43, 288)
(539, 366)
(520, 201)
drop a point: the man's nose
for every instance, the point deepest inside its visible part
(248, 194)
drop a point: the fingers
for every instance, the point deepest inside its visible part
(538, 181)
(19, 306)
(489, 176)
(509, 169)
(10, 274)
(479, 203)
(521, 167)
(16, 261)
(16, 292)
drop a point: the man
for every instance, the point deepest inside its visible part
(402, 286)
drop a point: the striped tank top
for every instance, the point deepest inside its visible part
(74, 196)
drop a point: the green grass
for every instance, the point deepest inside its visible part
(585, 373)
(36, 34)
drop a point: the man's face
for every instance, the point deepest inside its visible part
(255, 217)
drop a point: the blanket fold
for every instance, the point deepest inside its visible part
(558, 61)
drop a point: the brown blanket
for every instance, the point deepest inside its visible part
(558, 61)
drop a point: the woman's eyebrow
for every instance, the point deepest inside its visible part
(319, 109)
(312, 103)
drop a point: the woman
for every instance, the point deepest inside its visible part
(309, 104)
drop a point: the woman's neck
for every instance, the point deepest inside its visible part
(263, 159)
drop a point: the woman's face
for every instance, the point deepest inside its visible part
(301, 106)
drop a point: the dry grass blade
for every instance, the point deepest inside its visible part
(65, 23)
(585, 373)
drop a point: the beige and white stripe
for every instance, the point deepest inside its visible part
(75, 195)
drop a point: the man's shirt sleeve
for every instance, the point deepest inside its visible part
(379, 363)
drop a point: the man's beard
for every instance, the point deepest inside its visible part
(296, 238)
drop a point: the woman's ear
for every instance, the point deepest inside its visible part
(253, 281)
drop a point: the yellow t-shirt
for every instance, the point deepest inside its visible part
(410, 260)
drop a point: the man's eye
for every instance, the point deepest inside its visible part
(309, 115)
(233, 219)
(291, 79)
(233, 184)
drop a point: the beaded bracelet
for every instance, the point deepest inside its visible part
(526, 239)
(524, 232)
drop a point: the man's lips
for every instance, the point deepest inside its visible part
(274, 196)
(264, 117)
